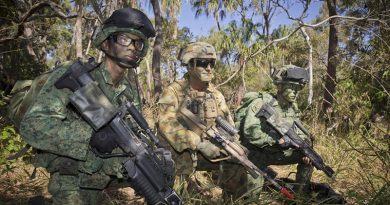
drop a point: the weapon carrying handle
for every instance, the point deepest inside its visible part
(141, 121)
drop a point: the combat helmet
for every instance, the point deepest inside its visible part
(196, 50)
(290, 74)
(126, 20)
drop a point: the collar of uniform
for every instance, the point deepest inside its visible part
(211, 88)
(107, 79)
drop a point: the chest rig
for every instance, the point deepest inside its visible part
(202, 104)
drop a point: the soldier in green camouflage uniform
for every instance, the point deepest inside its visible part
(199, 95)
(265, 146)
(63, 139)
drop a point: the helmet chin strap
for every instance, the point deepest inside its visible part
(124, 63)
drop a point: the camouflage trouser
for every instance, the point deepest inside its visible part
(274, 156)
(65, 190)
(79, 182)
(229, 176)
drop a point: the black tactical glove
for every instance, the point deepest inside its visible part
(104, 140)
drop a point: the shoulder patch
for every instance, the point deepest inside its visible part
(256, 104)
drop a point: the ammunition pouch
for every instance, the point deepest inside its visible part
(92, 103)
(94, 181)
(68, 167)
(64, 166)
(265, 112)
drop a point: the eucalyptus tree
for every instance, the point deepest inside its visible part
(330, 82)
(156, 61)
(77, 39)
(171, 10)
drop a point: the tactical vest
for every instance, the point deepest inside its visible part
(203, 104)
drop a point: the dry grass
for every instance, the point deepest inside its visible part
(16, 187)
(359, 155)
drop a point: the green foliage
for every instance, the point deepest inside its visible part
(10, 142)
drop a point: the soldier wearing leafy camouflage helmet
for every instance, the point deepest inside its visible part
(198, 94)
(64, 140)
(265, 146)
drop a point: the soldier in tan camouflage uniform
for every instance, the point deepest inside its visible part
(199, 95)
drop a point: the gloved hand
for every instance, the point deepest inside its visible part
(286, 143)
(104, 140)
(208, 149)
(192, 139)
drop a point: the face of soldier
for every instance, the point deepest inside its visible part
(124, 48)
(290, 92)
(201, 69)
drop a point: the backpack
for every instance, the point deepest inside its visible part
(24, 94)
(248, 98)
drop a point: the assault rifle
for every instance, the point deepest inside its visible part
(149, 166)
(268, 113)
(219, 134)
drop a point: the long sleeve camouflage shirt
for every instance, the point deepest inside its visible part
(51, 124)
(259, 133)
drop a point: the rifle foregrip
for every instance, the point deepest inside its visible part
(137, 116)
(226, 126)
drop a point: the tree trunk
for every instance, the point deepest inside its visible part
(173, 13)
(133, 4)
(310, 65)
(330, 83)
(174, 22)
(239, 95)
(132, 76)
(111, 7)
(170, 70)
(156, 61)
(266, 12)
(27, 33)
(78, 30)
(90, 39)
(216, 18)
(148, 80)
